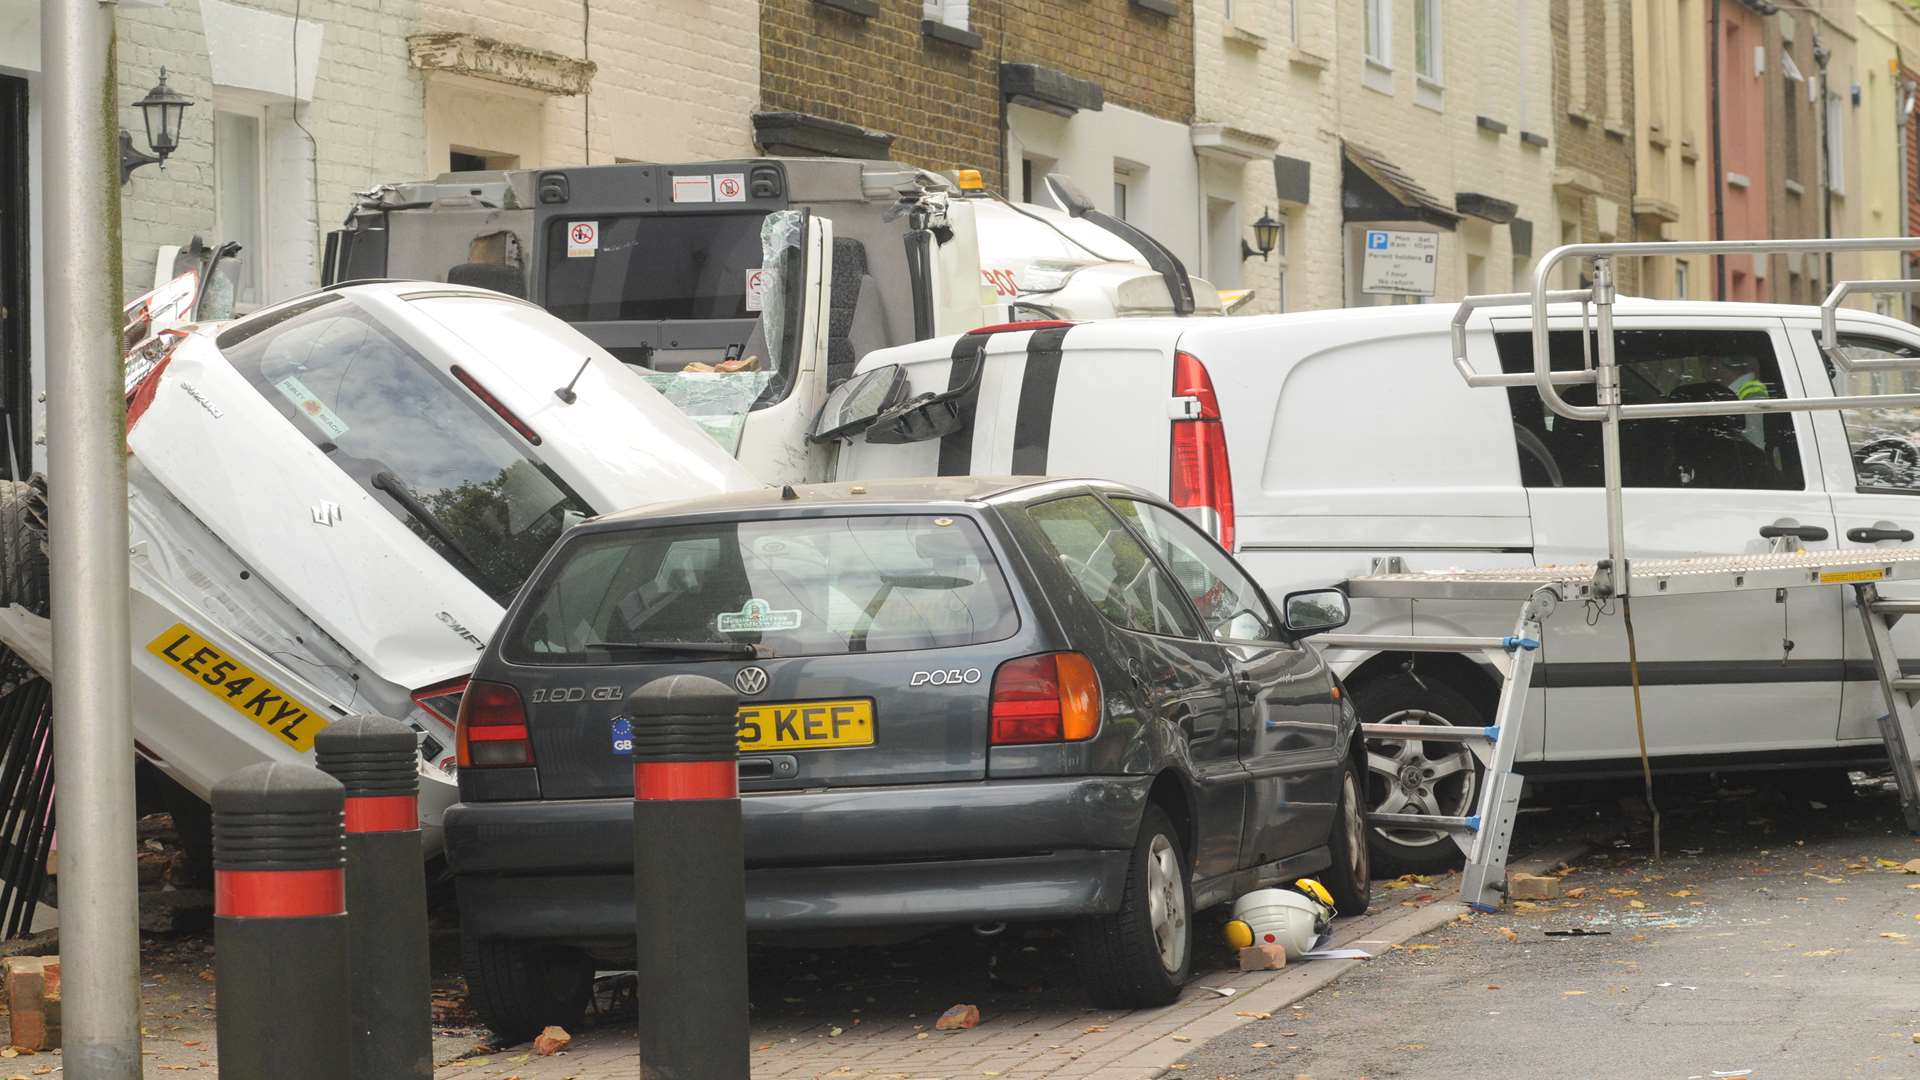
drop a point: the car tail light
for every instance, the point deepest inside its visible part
(492, 728)
(1053, 697)
(486, 396)
(1202, 482)
(442, 699)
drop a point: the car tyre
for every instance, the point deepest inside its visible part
(1140, 955)
(23, 547)
(519, 987)
(1349, 879)
(1402, 699)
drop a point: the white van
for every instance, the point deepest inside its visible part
(1315, 445)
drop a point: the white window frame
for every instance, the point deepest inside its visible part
(253, 258)
(1126, 191)
(952, 13)
(1376, 18)
(1681, 284)
(1280, 265)
(1435, 73)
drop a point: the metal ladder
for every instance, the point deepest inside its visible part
(1900, 725)
(1484, 835)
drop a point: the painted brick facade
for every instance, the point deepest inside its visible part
(939, 99)
(1593, 90)
(364, 119)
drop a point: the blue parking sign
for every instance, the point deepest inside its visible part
(1376, 240)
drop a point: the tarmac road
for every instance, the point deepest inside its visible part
(1772, 939)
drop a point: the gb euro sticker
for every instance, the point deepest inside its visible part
(754, 616)
(583, 239)
(756, 289)
(246, 693)
(693, 188)
(730, 187)
(623, 736)
(311, 407)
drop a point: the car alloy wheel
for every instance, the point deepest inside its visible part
(1356, 825)
(1411, 776)
(1167, 903)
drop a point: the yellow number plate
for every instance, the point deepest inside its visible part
(1839, 577)
(232, 682)
(806, 725)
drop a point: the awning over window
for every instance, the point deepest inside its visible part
(1375, 189)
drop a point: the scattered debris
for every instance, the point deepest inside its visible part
(958, 1018)
(1581, 931)
(1263, 958)
(1223, 991)
(1508, 933)
(1532, 887)
(1575, 894)
(551, 1040)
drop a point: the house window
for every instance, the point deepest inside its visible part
(238, 165)
(951, 12)
(1125, 206)
(1426, 39)
(1836, 145)
(1379, 31)
(1680, 291)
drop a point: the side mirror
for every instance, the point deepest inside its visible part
(1316, 611)
(858, 402)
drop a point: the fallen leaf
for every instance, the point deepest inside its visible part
(1636, 903)
(1255, 1015)
(834, 1033)
(1493, 986)
(1572, 993)
(1911, 866)
(1525, 905)
(1623, 892)
(1894, 935)
(1259, 1046)
(1576, 894)
(1180, 1038)
(1681, 892)
(1508, 933)
(1096, 1029)
(1430, 945)
(1820, 952)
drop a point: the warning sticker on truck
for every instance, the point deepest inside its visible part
(232, 682)
(1843, 577)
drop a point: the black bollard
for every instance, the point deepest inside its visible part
(376, 759)
(689, 881)
(280, 924)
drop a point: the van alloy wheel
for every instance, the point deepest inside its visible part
(1167, 903)
(1412, 776)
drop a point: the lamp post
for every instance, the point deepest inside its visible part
(161, 110)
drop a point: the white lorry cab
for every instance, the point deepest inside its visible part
(1322, 445)
(745, 291)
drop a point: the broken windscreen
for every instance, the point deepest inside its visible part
(417, 441)
(654, 266)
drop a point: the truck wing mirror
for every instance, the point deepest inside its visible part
(858, 402)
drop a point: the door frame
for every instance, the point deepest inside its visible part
(16, 277)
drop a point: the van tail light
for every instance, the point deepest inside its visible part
(1052, 697)
(499, 407)
(492, 727)
(1202, 482)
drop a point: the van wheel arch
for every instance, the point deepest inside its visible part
(1462, 675)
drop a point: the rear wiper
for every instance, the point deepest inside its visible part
(699, 648)
(392, 485)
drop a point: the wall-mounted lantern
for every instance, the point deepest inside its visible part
(1266, 237)
(162, 109)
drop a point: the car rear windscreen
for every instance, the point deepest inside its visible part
(815, 586)
(417, 441)
(681, 266)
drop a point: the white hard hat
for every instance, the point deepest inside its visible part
(1277, 917)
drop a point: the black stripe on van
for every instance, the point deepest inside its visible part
(956, 448)
(1033, 424)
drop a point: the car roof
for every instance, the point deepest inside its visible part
(859, 494)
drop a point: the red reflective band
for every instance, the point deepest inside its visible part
(383, 813)
(279, 894)
(662, 780)
(1013, 327)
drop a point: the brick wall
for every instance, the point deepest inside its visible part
(939, 99)
(1141, 58)
(1593, 120)
(365, 119)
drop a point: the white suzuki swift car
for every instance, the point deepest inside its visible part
(332, 500)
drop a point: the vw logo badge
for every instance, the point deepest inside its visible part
(750, 680)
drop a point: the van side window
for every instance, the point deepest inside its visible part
(1738, 452)
(1886, 457)
(1111, 569)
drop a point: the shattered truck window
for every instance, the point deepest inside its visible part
(1885, 441)
(415, 440)
(805, 587)
(725, 271)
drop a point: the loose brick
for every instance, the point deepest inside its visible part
(1532, 887)
(1263, 958)
(32, 986)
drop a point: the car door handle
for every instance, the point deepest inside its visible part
(1865, 535)
(1247, 687)
(1810, 533)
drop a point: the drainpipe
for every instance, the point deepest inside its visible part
(1719, 163)
(1822, 57)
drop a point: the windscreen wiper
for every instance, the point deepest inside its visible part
(741, 649)
(394, 486)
